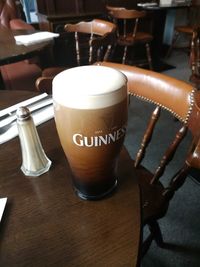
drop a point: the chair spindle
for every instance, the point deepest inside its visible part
(169, 154)
(147, 136)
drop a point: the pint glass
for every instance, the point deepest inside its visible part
(90, 105)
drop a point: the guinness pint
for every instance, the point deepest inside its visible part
(90, 104)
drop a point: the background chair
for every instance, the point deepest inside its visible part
(195, 58)
(128, 33)
(20, 75)
(186, 31)
(91, 41)
(168, 96)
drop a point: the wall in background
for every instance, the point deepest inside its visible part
(30, 10)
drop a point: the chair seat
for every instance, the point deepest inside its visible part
(20, 75)
(52, 71)
(184, 29)
(141, 37)
(154, 205)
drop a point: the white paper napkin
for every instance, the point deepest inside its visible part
(33, 38)
(148, 4)
(39, 117)
(2, 206)
(23, 103)
(165, 2)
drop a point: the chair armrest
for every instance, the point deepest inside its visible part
(19, 24)
(44, 84)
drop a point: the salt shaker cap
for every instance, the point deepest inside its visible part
(23, 113)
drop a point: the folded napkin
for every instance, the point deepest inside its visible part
(148, 4)
(165, 2)
(39, 117)
(2, 206)
(33, 38)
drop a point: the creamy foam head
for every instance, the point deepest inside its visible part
(89, 87)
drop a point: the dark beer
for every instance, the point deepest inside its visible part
(91, 115)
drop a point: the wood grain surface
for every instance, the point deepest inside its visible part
(46, 224)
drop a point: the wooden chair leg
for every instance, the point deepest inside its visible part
(146, 244)
(149, 58)
(175, 39)
(124, 55)
(156, 232)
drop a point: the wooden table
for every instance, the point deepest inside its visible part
(159, 15)
(46, 224)
(11, 52)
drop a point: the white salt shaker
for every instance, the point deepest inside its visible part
(34, 160)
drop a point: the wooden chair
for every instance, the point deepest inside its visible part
(92, 41)
(193, 20)
(20, 75)
(195, 58)
(181, 100)
(128, 34)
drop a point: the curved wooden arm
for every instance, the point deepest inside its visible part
(18, 24)
(172, 94)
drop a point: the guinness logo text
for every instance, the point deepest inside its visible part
(95, 141)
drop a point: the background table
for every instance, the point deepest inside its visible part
(159, 15)
(46, 224)
(10, 52)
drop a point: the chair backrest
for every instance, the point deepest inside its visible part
(182, 101)
(8, 11)
(93, 40)
(12, 15)
(126, 19)
(195, 58)
(193, 16)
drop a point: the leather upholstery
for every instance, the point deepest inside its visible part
(18, 24)
(20, 75)
(52, 71)
(178, 97)
(7, 12)
(174, 95)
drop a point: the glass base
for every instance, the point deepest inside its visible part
(38, 172)
(95, 197)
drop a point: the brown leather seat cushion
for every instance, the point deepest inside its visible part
(20, 76)
(52, 71)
